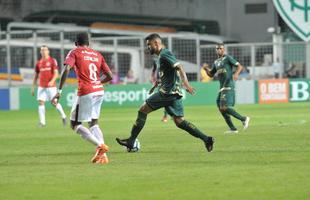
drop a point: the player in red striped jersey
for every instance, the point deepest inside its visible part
(46, 71)
(88, 65)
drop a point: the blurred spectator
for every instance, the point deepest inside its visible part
(291, 72)
(130, 78)
(203, 74)
(116, 78)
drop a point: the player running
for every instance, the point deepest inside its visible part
(223, 66)
(46, 71)
(88, 65)
(168, 96)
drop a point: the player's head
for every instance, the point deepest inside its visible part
(82, 39)
(44, 51)
(220, 49)
(154, 43)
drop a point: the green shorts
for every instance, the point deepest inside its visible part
(172, 103)
(226, 98)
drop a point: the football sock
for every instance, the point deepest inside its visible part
(233, 113)
(228, 121)
(193, 130)
(61, 111)
(41, 111)
(86, 135)
(96, 131)
(165, 113)
(137, 127)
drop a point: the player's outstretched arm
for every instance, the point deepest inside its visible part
(184, 79)
(63, 78)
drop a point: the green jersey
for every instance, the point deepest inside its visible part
(224, 68)
(170, 82)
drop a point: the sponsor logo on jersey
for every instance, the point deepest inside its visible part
(45, 69)
(93, 59)
(89, 53)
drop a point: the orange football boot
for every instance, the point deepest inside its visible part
(103, 159)
(99, 152)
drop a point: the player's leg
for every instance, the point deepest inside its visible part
(96, 130)
(81, 112)
(41, 97)
(144, 110)
(230, 95)
(222, 106)
(41, 111)
(51, 93)
(176, 110)
(154, 102)
(94, 125)
(77, 126)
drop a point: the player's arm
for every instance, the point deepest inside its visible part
(34, 82)
(105, 70)
(184, 79)
(235, 63)
(63, 78)
(153, 75)
(108, 77)
(153, 78)
(210, 72)
(238, 70)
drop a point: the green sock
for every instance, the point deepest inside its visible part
(228, 121)
(233, 113)
(137, 127)
(193, 130)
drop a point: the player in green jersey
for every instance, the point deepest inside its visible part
(169, 95)
(223, 66)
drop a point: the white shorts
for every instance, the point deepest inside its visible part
(87, 107)
(46, 94)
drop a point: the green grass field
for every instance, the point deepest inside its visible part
(271, 160)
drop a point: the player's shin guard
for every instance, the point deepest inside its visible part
(96, 131)
(233, 113)
(193, 130)
(228, 121)
(137, 127)
(61, 111)
(41, 111)
(86, 135)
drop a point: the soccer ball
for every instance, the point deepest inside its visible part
(136, 147)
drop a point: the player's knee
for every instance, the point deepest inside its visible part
(145, 109)
(93, 122)
(74, 124)
(223, 109)
(178, 121)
